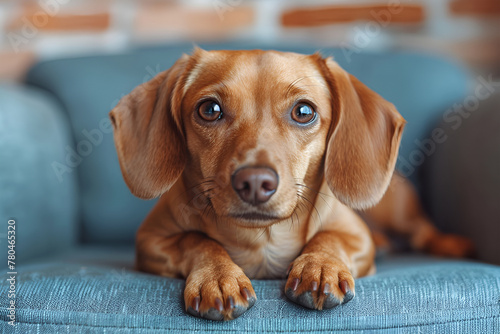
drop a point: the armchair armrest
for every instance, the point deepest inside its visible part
(43, 203)
(462, 176)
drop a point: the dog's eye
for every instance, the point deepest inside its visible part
(303, 113)
(210, 111)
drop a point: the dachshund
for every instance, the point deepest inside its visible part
(264, 163)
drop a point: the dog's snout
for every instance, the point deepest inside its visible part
(255, 185)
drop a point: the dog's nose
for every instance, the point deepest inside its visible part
(255, 185)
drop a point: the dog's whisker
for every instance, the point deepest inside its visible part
(297, 216)
(204, 181)
(212, 210)
(300, 204)
(209, 193)
(200, 194)
(312, 86)
(319, 193)
(294, 212)
(311, 189)
(205, 209)
(291, 218)
(313, 207)
(296, 81)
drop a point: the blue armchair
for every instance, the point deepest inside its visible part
(75, 219)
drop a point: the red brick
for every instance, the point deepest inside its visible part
(318, 16)
(157, 19)
(475, 7)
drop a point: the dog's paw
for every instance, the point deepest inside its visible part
(318, 282)
(450, 245)
(218, 293)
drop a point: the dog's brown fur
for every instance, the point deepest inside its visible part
(342, 162)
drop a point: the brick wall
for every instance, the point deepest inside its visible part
(468, 29)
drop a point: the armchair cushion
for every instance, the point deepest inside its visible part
(33, 134)
(409, 294)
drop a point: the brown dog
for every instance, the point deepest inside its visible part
(260, 159)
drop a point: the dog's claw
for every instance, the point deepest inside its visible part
(230, 303)
(318, 282)
(196, 304)
(223, 297)
(344, 286)
(249, 298)
(348, 294)
(230, 311)
(246, 294)
(191, 311)
(218, 304)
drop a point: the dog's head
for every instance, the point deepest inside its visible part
(252, 129)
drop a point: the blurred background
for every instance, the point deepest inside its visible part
(468, 30)
(64, 64)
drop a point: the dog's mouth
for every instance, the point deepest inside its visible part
(255, 217)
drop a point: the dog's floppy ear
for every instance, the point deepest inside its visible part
(364, 140)
(147, 132)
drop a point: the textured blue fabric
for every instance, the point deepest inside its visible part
(407, 295)
(421, 86)
(33, 133)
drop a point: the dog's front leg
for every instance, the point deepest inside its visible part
(323, 275)
(216, 288)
